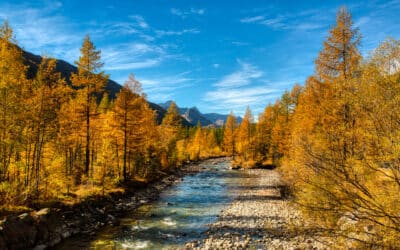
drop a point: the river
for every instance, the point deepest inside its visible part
(181, 214)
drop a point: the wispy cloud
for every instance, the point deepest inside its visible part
(185, 13)
(197, 11)
(241, 77)
(135, 25)
(42, 31)
(237, 43)
(147, 63)
(276, 22)
(132, 56)
(175, 32)
(240, 97)
(241, 88)
(394, 4)
(306, 20)
(115, 29)
(252, 19)
(236, 100)
(163, 88)
(140, 21)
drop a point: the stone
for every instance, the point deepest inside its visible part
(19, 232)
(42, 212)
(40, 247)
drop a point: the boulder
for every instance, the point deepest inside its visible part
(19, 232)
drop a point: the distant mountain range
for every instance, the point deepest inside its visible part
(190, 116)
(193, 116)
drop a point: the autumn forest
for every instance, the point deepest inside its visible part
(334, 139)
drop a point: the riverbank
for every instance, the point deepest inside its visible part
(49, 226)
(259, 218)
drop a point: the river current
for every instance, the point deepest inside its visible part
(181, 214)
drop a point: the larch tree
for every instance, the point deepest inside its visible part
(339, 57)
(343, 158)
(90, 82)
(171, 129)
(12, 85)
(197, 143)
(211, 145)
(284, 110)
(48, 92)
(245, 139)
(150, 139)
(265, 124)
(125, 110)
(229, 138)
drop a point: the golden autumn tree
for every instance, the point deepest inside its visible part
(339, 57)
(374, 172)
(284, 109)
(107, 172)
(197, 143)
(126, 113)
(149, 141)
(90, 83)
(171, 129)
(343, 157)
(245, 140)
(264, 126)
(12, 85)
(48, 92)
(324, 116)
(70, 143)
(229, 138)
(211, 146)
(137, 124)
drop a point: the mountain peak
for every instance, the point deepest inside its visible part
(193, 115)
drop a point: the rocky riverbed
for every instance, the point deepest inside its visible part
(259, 218)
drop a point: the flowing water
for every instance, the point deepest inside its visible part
(181, 213)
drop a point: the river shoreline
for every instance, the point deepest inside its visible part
(261, 217)
(47, 228)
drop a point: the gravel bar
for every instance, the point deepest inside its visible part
(259, 218)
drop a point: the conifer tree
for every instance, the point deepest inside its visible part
(171, 129)
(197, 143)
(90, 83)
(340, 57)
(125, 110)
(245, 138)
(229, 139)
(48, 92)
(12, 90)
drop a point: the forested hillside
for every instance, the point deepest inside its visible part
(60, 141)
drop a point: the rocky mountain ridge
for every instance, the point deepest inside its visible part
(193, 115)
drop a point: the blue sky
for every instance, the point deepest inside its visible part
(216, 55)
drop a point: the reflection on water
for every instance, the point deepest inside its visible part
(180, 215)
